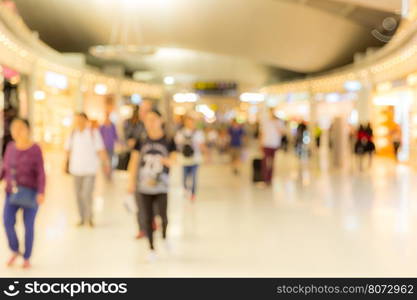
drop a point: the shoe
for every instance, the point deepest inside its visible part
(80, 224)
(141, 234)
(152, 256)
(192, 198)
(91, 224)
(26, 264)
(12, 259)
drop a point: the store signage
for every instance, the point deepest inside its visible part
(218, 88)
(56, 80)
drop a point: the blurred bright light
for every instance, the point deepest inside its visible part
(185, 97)
(252, 97)
(39, 95)
(136, 98)
(56, 80)
(353, 85)
(169, 80)
(272, 101)
(412, 79)
(354, 117)
(280, 114)
(67, 121)
(100, 89)
(206, 111)
(385, 101)
(333, 97)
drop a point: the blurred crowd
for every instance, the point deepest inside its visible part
(146, 147)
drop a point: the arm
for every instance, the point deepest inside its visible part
(170, 160)
(101, 151)
(133, 170)
(103, 157)
(5, 162)
(115, 135)
(41, 181)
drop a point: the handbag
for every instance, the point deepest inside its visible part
(21, 195)
(24, 197)
(123, 161)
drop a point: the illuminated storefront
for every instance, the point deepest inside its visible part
(394, 108)
(54, 103)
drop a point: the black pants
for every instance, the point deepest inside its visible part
(141, 212)
(149, 201)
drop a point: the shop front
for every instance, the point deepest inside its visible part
(54, 103)
(394, 118)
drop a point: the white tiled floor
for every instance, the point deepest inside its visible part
(314, 222)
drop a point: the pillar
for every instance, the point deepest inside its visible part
(364, 103)
(340, 141)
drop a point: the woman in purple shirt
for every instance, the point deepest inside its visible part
(109, 135)
(22, 168)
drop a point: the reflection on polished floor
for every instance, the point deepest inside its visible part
(314, 222)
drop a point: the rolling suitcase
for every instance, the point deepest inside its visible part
(257, 170)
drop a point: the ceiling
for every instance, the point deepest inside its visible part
(251, 41)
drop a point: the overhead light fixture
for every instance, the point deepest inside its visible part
(332, 97)
(100, 89)
(353, 85)
(169, 80)
(39, 95)
(185, 97)
(126, 39)
(136, 99)
(56, 80)
(252, 97)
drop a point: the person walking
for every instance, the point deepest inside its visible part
(84, 151)
(140, 135)
(149, 175)
(396, 140)
(109, 135)
(364, 144)
(236, 134)
(370, 146)
(134, 128)
(270, 139)
(24, 173)
(191, 143)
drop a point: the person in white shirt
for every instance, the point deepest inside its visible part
(84, 150)
(270, 139)
(191, 143)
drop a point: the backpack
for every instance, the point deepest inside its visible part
(188, 149)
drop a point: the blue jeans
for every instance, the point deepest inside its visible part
(190, 174)
(9, 219)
